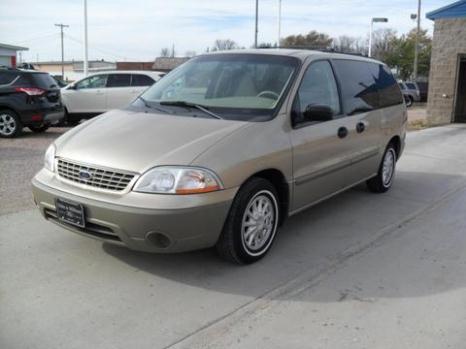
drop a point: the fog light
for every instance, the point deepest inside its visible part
(158, 239)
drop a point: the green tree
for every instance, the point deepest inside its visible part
(399, 54)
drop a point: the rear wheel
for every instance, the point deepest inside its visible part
(409, 101)
(10, 124)
(383, 181)
(39, 128)
(252, 223)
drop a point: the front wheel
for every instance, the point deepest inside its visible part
(252, 223)
(383, 181)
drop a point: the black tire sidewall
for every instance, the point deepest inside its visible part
(247, 192)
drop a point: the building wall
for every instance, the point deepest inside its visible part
(449, 42)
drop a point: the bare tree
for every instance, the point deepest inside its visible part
(223, 45)
(165, 52)
(190, 53)
(384, 43)
(313, 40)
(350, 44)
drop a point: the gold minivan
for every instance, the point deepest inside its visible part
(223, 149)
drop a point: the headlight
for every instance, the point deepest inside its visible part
(177, 180)
(49, 158)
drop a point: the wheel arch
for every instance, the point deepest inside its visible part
(396, 141)
(278, 180)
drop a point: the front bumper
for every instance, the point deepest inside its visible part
(144, 222)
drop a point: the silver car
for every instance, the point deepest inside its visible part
(223, 149)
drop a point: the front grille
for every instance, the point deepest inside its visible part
(93, 176)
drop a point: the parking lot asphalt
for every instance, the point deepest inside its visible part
(358, 271)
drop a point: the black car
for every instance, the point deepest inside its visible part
(28, 99)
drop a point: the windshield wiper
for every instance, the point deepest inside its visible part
(191, 105)
(148, 106)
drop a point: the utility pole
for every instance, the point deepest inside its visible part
(61, 25)
(257, 24)
(416, 47)
(279, 22)
(85, 62)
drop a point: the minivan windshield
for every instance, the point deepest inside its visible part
(247, 87)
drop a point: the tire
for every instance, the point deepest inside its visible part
(238, 242)
(10, 124)
(39, 129)
(383, 181)
(409, 101)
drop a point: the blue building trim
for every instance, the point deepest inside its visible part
(455, 10)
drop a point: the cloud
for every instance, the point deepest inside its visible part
(138, 29)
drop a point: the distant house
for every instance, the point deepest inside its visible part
(8, 54)
(134, 65)
(447, 81)
(74, 70)
(165, 64)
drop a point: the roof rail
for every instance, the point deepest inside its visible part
(329, 50)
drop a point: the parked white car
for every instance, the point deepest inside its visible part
(100, 92)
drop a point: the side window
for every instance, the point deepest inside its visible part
(411, 86)
(119, 80)
(318, 92)
(141, 80)
(7, 78)
(96, 81)
(389, 91)
(358, 86)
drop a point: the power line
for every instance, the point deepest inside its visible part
(104, 51)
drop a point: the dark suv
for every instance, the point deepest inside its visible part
(28, 99)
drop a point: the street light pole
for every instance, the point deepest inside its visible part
(279, 22)
(416, 47)
(374, 20)
(85, 62)
(257, 24)
(62, 49)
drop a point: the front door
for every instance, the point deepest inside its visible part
(87, 95)
(460, 108)
(323, 148)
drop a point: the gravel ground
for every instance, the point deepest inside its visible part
(20, 159)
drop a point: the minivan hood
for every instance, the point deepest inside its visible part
(137, 141)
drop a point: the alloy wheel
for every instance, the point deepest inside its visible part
(7, 125)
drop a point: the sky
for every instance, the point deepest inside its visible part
(136, 30)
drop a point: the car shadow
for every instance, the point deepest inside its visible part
(316, 241)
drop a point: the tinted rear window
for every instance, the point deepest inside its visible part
(359, 90)
(118, 80)
(7, 77)
(411, 86)
(141, 80)
(44, 81)
(389, 91)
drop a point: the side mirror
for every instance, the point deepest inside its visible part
(316, 112)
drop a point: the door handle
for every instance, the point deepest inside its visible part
(360, 127)
(342, 132)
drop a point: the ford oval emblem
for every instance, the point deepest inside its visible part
(85, 175)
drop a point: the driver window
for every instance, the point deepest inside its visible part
(97, 81)
(319, 88)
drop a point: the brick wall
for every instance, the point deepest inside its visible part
(448, 42)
